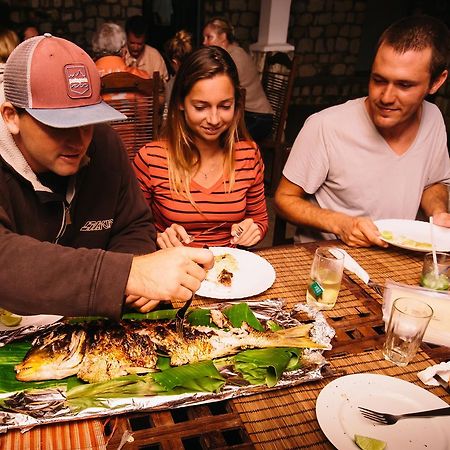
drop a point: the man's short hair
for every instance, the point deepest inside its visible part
(417, 33)
(108, 40)
(136, 25)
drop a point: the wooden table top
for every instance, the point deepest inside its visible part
(280, 418)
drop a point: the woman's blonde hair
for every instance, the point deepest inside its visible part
(183, 155)
(222, 25)
(8, 42)
(179, 46)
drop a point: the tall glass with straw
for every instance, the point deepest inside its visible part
(436, 266)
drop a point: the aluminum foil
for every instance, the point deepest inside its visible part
(30, 408)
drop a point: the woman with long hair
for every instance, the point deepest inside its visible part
(205, 172)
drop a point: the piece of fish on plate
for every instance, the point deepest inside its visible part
(225, 266)
(101, 350)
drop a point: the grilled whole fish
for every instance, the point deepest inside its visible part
(201, 343)
(94, 351)
(100, 350)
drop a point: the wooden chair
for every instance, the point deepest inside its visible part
(139, 99)
(278, 81)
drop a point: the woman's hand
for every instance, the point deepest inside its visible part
(245, 233)
(174, 236)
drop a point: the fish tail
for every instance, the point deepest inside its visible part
(294, 337)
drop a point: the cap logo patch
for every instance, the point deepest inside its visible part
(78, 82)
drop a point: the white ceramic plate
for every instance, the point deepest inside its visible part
(417, 231)
(253, 276)
(39, 320)
(339, 418)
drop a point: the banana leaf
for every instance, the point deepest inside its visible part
(265, 366)
(200, 317)
(85, 395)
(196, 377)
(241, 312)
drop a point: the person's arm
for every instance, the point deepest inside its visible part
(434, 203)
(256, 222)
(45, 278)
(290, 202)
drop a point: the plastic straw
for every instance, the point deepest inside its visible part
(433, 249)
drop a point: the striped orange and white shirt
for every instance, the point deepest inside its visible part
(246, 200)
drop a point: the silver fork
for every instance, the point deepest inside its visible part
(179, 317)
(390, 419)
(378, 288)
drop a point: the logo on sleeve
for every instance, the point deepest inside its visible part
(97, 225)
(78, 82)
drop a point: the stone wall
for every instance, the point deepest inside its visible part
(327, 36)
(75, 20)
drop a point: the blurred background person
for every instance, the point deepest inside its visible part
(8, 42)
(28, 30)
(258, 112)
(176, 50)
(138, 53)
(108, 47)
(205, 171)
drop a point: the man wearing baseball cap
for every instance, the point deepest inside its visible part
(72, 220)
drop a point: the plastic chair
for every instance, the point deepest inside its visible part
(278, 81)
(139, 99)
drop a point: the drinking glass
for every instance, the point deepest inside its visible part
(407, 324)
(325, 278)
(428, 278)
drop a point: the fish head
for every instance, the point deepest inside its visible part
(55, 355)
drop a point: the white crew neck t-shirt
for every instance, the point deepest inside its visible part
(341, 159)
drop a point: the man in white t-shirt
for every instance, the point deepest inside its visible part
(380, 157)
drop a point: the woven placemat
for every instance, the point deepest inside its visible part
(285, 419)
(79, 435)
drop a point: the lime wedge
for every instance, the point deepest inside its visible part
(367, 443)
(441, 283)
(9, 319)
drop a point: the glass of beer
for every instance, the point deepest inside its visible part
(325, 279)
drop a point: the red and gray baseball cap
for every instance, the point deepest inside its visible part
(57, 83)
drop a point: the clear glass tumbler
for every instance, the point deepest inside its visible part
(407, 325)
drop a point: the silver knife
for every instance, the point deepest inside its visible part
(442, 382)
